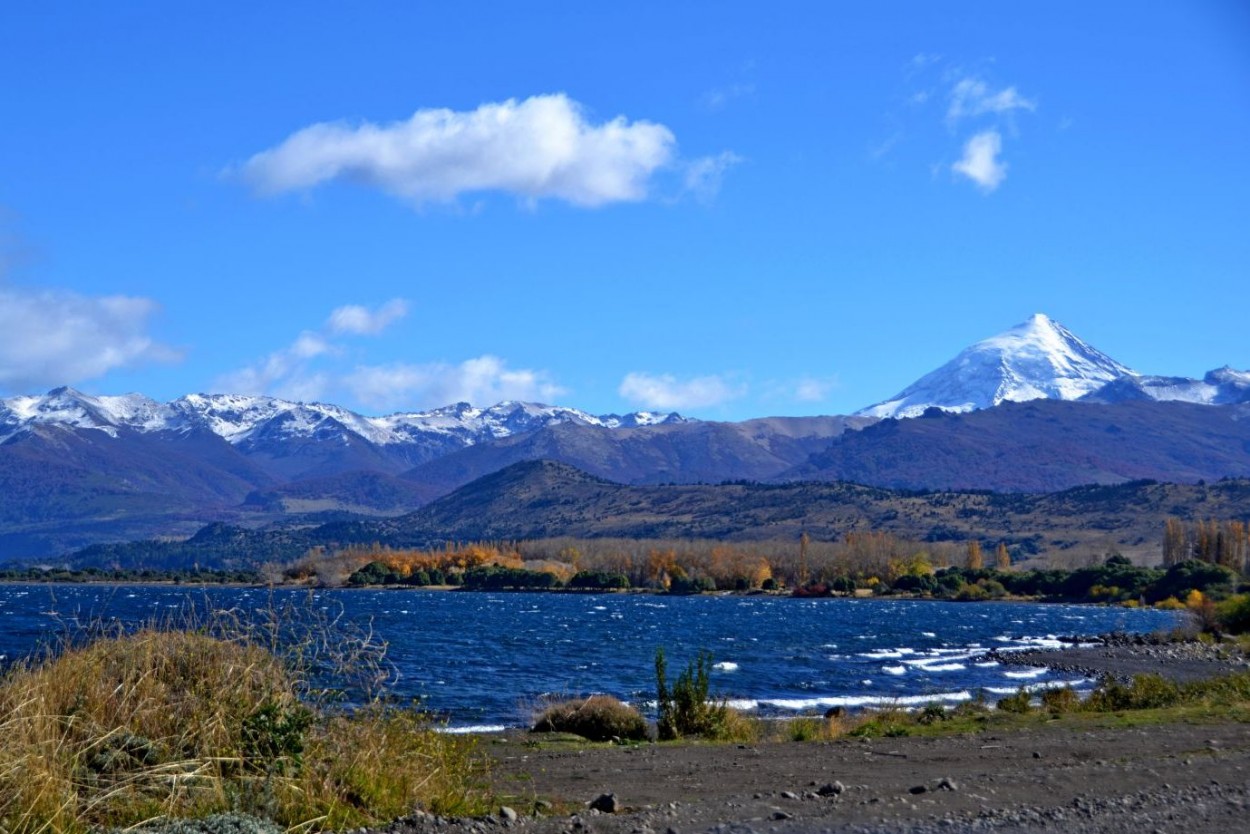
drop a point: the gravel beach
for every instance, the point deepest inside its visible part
(1050, 777)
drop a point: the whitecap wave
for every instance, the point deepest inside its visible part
(473, 728)
(887, 654)
(1025, 674)
(894, 670)
(853, 701)
(726, 666)
(1040, 687)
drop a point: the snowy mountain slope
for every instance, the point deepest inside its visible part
(1223, 386)
(239, 418)
(1041, 359)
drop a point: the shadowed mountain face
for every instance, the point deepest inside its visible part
(541, 498)
(1042, 446)
(754, 450)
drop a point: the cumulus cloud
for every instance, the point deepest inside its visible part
(289, 372)
(665, 392)
(980, 162)
(484, 380)
(542, 147)
(973, 97)
(284, 373)
(362, 321)
(57, 337)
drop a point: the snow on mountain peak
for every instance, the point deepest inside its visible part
(1037, 359)
(243, 419)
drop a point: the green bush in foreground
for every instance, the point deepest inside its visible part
(174, 724)
(687, 709)
(598, 718)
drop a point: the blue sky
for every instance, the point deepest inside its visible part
(730, 209)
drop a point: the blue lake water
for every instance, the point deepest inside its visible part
(483, 660)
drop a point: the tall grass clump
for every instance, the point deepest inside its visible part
(686, 709)
(175, 724)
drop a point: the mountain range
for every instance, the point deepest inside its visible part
(1033, 409)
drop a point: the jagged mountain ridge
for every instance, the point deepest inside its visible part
(1042, 359)
(238, 418)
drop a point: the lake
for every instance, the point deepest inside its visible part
(483, 660)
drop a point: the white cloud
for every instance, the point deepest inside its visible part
(484, 380)
(719, 98)
(812, 390)
(285, 373)
(56, 337)
(289, 373)
(973, 97)
(665, 392)
(354, 318)
(980, 161)
(538, 148)
(703, 176)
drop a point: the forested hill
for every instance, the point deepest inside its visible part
(542, 499)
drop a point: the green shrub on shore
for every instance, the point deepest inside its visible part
(1060, 699)
(598, 718)
(1019, 702)
(1145, 692)
(688, 710)
(175, 724)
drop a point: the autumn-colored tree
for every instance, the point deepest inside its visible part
(1174, 542)
(975, 560)
(1002, 559)
(1231, 546)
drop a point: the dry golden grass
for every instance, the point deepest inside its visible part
(180, 724)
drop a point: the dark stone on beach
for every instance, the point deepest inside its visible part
(831, 789)
(918, 789)
(789, 795)
(606, 803)
(782, 815)
(947, 784)
(508, 814)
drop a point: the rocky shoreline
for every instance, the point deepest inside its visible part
(1053, 776)
(1121, 656)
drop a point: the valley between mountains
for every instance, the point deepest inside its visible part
(1033, 415)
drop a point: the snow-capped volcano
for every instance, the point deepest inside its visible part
(1037, 359)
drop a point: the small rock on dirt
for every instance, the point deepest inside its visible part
(606, 803)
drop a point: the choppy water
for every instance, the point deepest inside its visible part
(483, 660)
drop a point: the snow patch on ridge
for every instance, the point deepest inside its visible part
(238, 417)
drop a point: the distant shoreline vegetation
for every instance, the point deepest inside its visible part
(1209, 557)
(137, 576)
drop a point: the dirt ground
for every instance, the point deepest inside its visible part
(1065, 776)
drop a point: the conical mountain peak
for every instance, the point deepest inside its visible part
(1037, 359)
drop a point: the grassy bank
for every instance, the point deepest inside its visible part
(173, 724)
